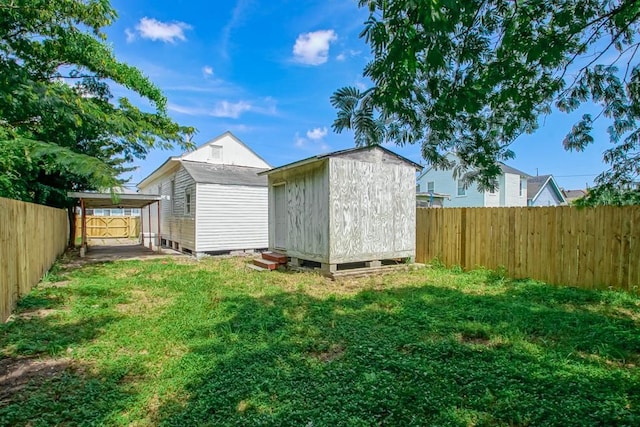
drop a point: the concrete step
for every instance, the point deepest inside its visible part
(265, 263)
(274, 256)
(256, 268)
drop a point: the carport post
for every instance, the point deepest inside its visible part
(159, 236)
(149, 216)
(83, 229)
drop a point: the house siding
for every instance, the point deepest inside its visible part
(546, 197)
(232, 153)
(512, 190)
(231, 217)
(445, 184)
(175, 225)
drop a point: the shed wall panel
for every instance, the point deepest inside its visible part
(372, 210)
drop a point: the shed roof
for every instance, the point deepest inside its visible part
(93, 200)
(209, 173)
(340, 153)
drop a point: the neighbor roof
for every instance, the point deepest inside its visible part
(509, 169)
(338, 153)
(571, 195)
(535, 184)
(209, 173)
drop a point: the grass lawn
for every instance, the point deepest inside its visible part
(175, 342)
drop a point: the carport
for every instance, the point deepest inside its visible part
(91, 200)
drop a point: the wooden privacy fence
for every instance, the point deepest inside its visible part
(589, 248)
(103, 227)
(31, 238)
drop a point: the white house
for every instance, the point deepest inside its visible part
(511, 191)
(213, 200)
(543, 190)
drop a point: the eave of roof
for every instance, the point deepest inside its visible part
(337, 153)
(94, 200)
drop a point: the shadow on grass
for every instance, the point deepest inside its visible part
(411, 356)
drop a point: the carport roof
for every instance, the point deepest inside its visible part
(118, 200)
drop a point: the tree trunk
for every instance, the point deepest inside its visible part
(71, 212)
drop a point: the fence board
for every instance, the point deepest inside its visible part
(588, 248)
(31, 238)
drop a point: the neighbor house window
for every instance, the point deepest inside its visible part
(461, 190)
(417, 188)
(522, 184)
(430, 187)
(187, 201)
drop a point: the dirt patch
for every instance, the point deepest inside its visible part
(334, 352)
(60, 284)
(36, 314)
(474, 339)
(16, 373)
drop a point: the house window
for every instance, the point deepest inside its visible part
(216, 153)
(522, 184)
(430, 187)
(461, 190)
(117, 212)
(417, 188)
(187, 201)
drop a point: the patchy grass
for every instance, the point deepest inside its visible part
(171, 342)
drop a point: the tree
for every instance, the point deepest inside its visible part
(472, 76)
(60, 128)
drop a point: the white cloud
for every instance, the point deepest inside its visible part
(168, 32)
(131, 35)
(317, 134)
(231, 110)
(348, 54)
(313, 48)
(207, 71)
(187, 110)
(299, 141)
(313, 142)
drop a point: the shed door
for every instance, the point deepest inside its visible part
(280, 216)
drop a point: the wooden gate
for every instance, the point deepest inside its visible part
(104, 227)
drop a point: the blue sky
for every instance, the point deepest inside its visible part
(265, 70)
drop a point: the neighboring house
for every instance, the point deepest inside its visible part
(511, 191)
(212, 198)
(431, 200)
(572, 195)
(543, 190)
(350, 206)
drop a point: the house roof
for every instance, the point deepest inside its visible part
(171, 162)
(574, 194)
(509, 169)
(209, 173)
(339, 153)
(535, 184)
(503, 167)
(235, 138)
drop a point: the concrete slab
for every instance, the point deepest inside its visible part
(123, 249)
